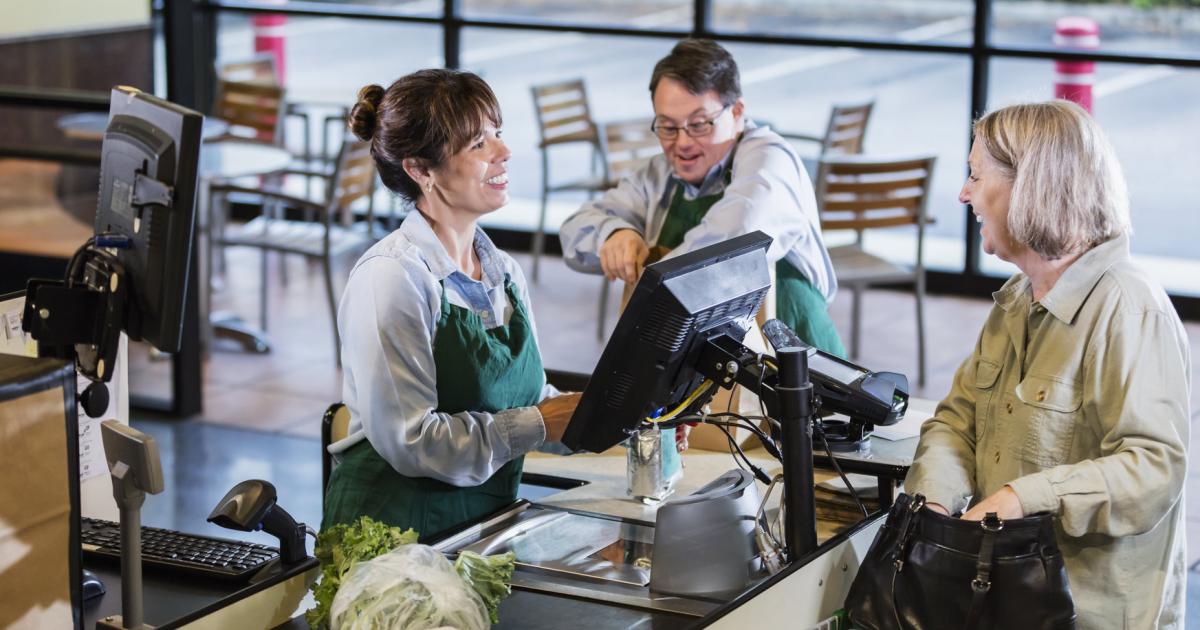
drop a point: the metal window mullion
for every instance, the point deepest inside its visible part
(451, 34)
(980, 62)
(701, 14)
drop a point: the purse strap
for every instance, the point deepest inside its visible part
(982, 582)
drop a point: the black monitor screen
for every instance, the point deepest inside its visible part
(649, 363)
(147, 195)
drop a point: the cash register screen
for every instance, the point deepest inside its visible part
(835, 370)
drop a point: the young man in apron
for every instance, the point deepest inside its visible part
(719, 176)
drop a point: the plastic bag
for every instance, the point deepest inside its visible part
(412, 587)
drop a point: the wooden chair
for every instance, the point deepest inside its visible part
(260, 69)
(254, 111)
(626, 146)
(335, 426)
(844, 133)
(863, 193)
(564, 119)
(328, 235)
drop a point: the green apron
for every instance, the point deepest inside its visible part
(478, 369)
(797, 302)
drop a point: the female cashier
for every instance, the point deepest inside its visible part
(442, 373)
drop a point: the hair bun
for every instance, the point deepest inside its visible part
(364, 115)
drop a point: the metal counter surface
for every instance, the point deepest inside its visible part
(605, 472)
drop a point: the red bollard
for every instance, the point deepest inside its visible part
(268, 37)
(1073, 79)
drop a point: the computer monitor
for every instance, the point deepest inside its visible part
(148, 172)
(132, 275)
(649, 362)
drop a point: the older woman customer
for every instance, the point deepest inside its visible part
(443, 376)
(1075, 400)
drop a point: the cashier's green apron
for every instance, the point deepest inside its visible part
(797, 302)
(478, 369)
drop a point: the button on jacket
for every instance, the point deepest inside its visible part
(1079, 403)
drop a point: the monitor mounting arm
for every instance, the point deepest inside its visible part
(788, 396)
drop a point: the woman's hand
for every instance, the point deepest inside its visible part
(938, 507)
(623, 254)
(556, 414)
(1004, 503)
(681, 436)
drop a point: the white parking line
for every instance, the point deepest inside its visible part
(797, 64)
(1132, 79)
(935, 30)
(779, 69)
(518, 47)
(676, 15)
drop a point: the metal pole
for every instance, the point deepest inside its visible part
(795, 404)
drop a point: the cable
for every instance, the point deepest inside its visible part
(769, 546)
(683, 405)
(754, 470)
(820, 431)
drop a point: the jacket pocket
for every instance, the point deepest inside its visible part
(987, 372)
(1051, 406)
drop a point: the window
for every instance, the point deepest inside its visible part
(1149, 115)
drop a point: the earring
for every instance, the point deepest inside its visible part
(429, 186)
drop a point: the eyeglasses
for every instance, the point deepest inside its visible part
(694, 129)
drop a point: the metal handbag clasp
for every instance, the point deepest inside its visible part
(914, 507)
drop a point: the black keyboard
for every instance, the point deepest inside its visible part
(188, 553)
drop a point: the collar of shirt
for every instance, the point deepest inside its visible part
(714, 181)
(434, 254)
(1067, 295)
(486, 297)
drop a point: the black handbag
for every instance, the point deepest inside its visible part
(926, 570)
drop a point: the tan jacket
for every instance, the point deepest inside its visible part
(1080, 404)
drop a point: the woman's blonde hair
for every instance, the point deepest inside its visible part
(1068, 193)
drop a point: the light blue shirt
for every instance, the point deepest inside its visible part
(388, 323)
(769, 191)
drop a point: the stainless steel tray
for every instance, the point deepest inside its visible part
(577, 554)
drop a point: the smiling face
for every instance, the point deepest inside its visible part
(474, 180)
(692, 158)
(989, 191)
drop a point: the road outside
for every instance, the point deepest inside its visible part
(922, 100)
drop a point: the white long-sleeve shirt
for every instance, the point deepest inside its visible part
(769, 190)
(388, 319)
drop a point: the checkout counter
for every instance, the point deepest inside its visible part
(597, 523)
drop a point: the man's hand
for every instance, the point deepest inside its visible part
(1004, 503)
(556, 414)
(623, 254)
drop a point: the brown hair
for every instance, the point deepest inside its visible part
(700, 65)
(428, 115)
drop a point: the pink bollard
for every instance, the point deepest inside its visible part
(1073, 79)
(269, 30)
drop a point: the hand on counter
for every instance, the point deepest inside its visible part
(556, 414)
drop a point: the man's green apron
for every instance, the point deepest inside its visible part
(797, 302)
(478, 369)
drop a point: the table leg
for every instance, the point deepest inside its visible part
(219, 324)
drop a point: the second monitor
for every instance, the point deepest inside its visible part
(649, 363)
